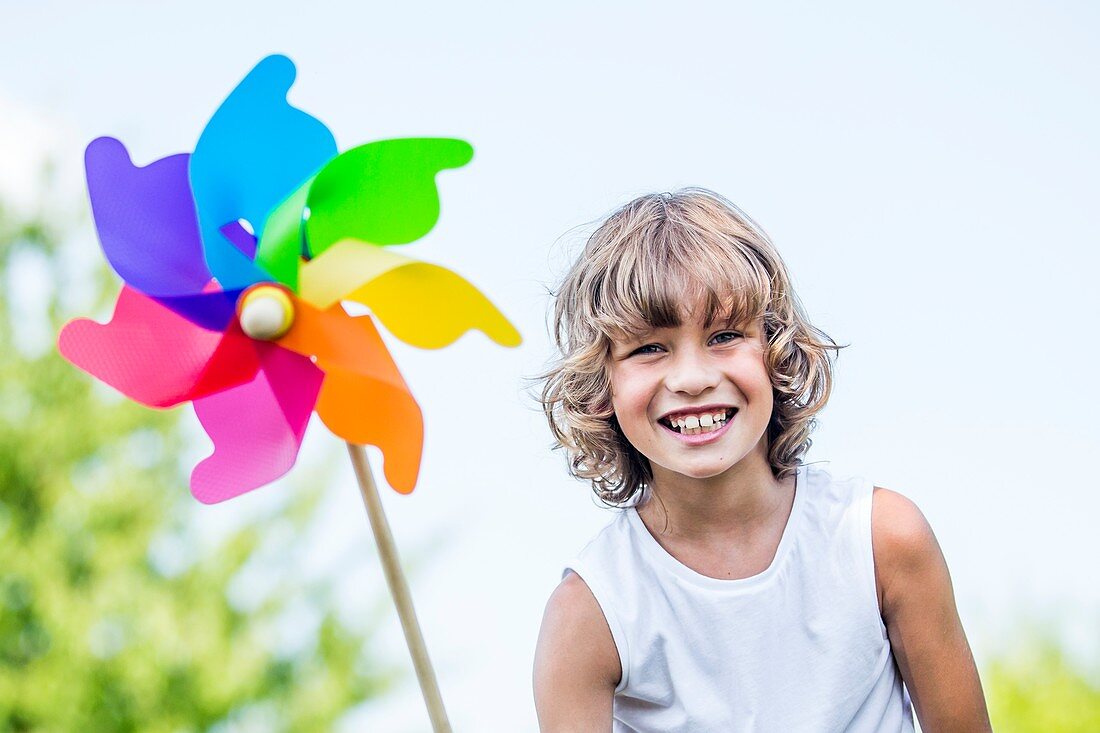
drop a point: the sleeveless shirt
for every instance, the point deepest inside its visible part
(798, 647)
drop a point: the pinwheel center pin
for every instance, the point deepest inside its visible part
(266, 312)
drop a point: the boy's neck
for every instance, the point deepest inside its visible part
(737, 503)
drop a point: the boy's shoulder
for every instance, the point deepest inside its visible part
(897, 507)
(576, 648)
(573, 605)
(901, 539)
(897, 524)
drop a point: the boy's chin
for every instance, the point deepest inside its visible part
(701, 471)
(714, 468)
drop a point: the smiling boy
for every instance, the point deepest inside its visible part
(737, 588)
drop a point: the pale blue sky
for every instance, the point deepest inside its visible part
(930, 175)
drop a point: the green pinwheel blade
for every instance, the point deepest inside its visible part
(382, 192)
(281, 244)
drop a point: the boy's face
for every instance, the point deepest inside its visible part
(713, 379)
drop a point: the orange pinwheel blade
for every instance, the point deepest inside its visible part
(363, 398)
(374, 412)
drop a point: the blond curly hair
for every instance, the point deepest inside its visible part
(637, 271)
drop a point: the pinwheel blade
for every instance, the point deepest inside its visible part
(382, 192)
(280, 250)
(343, 269)
(255, 151)
(420, 303)
(257, 428)
(145, 218)
(364, 398)
(213, 310)
(351, 405)
(154, 356)
(431, 307)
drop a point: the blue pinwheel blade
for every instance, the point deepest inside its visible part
(255, 151)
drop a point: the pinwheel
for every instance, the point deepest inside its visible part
(237, 260)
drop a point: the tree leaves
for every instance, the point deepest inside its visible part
(95, 633)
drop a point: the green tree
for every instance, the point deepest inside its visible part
(112, 615)
(1034, 688)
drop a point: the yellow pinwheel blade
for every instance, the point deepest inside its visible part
(420, 303)
(342, 269)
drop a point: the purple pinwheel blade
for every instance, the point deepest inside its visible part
(239, 237)
(212, 310)
(146, 220)
(149, 232)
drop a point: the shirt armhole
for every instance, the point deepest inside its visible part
(868, 551)
(618, 634)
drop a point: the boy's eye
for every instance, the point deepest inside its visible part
(647, 349)
(725, 337)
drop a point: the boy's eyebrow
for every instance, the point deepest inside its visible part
(621, 349)
(635, 336)
(731, 322)
(627, 340)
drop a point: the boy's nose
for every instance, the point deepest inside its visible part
(691, 373)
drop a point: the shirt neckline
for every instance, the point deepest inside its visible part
(659, 554)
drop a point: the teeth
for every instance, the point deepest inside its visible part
(696, 424)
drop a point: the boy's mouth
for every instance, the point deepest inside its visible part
(699, 423)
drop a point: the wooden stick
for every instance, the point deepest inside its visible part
(399, 589)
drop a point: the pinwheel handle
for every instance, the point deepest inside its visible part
(399, 589)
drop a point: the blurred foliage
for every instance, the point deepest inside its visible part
(113, 616)
(1034, 688)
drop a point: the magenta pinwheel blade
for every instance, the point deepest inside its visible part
(156, 357)
(257, 428)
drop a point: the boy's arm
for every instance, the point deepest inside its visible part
(918, 607)
(576, 663)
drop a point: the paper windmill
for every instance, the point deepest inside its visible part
(236, 259)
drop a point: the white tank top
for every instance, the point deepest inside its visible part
(799, 647)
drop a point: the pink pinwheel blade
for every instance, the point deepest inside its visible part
(257, 428)
(155, 356)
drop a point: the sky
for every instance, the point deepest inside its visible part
(929, 173)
